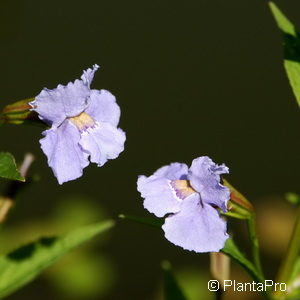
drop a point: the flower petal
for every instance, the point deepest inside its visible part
(102, 142)
(88, 75)
(204, 176)
(196, 227)
(64, 154)
(54, 106)
(173, 171)
(103, 107)
(160, 197)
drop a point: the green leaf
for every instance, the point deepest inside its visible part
(24, 264)
(233, 251)
(291, 44)
(296, 270)
(294, 281)
(172, 290)
(8, 168)
(155, 222)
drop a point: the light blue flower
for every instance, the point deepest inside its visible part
(188, 197)
(83, 126)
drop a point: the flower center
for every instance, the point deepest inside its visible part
(82, 121)
(182, 188)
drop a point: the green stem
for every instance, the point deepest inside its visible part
(254, 243)
(236, 255)
(293, 251)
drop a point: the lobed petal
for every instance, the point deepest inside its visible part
(103, 107)
(102, 142)
(173, 171)
(88, 75)
(64, 154)
(197, 227)
(54, 106)
(204, 176)
(49, 107)
(160, 197)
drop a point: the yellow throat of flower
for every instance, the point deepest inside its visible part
(82, 121)
(182, 188)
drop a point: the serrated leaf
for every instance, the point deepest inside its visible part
(172, 290)
(8, 167)
(291, 44)
(233, 251)
(155, 222)
(24, 264)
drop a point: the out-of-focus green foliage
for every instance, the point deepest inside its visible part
(194, 283)
(294, 282)
(291, 39)
(83, 275)
(172, 290)
(289, 271)
(233, 251)
(76, 210)
(71, 211)
(8, 168)
(22, 265)
(86, 264)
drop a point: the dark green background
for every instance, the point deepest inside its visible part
(192, 78)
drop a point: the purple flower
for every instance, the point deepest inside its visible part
(83, 126)
(189, 197)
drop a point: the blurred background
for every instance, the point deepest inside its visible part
(192, 78)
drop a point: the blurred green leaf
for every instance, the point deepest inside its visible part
(291, 44)
(294, 281)
(296, 270)
(293, 198)
(289, 270)
(172, 290)
(83, 275)
(233, 251)
(8, 168)
(76, 210)
(156, 222)
(295, 296)
(193, 281)
(24, 264)
(68, 213)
